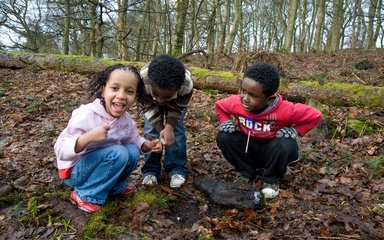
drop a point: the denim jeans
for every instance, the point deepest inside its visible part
(103, 172)
(175, 156)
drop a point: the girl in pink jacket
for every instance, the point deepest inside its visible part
(100, 147)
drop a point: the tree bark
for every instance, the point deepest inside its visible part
(235, 25)
(122, 50)
(292, 11)
(182, 6)
(67, 23)
(337, 16)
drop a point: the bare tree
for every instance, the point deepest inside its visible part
(25, 20)
(181, 13)
(292, 11)
(235, 26)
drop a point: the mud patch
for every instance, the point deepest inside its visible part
(185, 212)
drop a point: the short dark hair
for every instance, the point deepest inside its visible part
(265, 74)
(166, 72)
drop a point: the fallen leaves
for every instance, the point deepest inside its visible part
(331, 193)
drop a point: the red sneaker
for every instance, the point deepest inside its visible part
(130, 190)
(85, 206)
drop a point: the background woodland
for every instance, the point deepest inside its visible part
(329, 55)
(138, 30)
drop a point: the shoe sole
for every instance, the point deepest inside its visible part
(74, 202)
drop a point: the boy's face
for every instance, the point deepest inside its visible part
(252, 96)
(163, 95)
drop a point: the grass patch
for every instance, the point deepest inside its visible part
(318, 77)
(10, 199)
(376, 164)
(97, 223)
(161, 201)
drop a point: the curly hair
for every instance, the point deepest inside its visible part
(265, 74)
(100, 79)
(166, 72)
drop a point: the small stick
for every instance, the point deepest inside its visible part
(162, 141)
(246, 148)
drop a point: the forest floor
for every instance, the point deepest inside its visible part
(335, 192)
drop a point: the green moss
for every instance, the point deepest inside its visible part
(109, 62)
(357, 127)
(10, 199)
(319, 77)
(98, 222)
(357, 94)
(33, 211)
(203, 73)
(95, 225)
(161, 201)
(376, 164)
(113, 230)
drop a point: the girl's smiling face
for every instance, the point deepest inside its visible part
(252, 95)
(120, 92)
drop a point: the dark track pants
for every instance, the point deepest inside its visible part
(272, 155)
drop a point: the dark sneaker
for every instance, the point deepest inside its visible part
(85, 206)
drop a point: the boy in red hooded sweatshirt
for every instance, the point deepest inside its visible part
(267, 127)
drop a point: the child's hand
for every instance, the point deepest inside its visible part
(99, 133)
(167, 136)
(94, 135)
(287, 132)
(154, 146)
(227, 126)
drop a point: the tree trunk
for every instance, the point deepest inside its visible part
(67, 23)
(221, 29)
(319, 26)
(122, 51)
(356, 24)
(211, 16)
(342, 93)
(337, 16)
(235, 25)
(92, 37)
(371, 18)
(378, 23)
(292, 11)
(181, 13)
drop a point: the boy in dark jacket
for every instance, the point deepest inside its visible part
(267, 127)
(169, 90)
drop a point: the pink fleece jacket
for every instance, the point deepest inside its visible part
(85, 118)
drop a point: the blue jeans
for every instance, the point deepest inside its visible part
(175, 156)
(103, 172)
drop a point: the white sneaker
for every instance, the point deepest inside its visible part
(270, 190)
(149, 180)
(176, 181)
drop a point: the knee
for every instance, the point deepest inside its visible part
(119, 155)
(133, 153)
(222, 138)
(285, 146)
